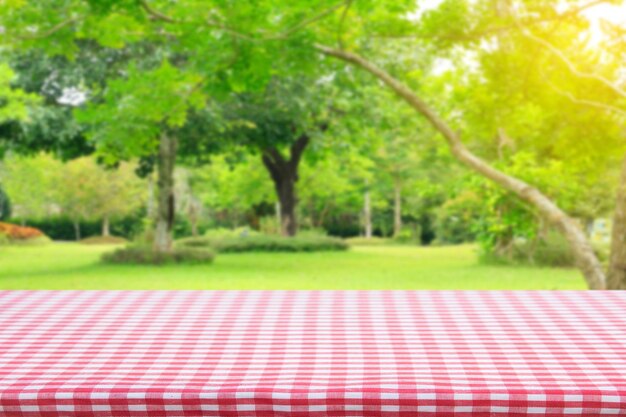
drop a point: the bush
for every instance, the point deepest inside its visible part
(455, 219)
(409, 235)
(62, 228)
(103, 240)
(145, 255)
(14, 232)
(551, 250)
(262, 243)
(221, 233)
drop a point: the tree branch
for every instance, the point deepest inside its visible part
(590, 103)
(569, 64)
(282, 35)
(157, 15)
(273, 161)
(287, 33)
(297, 149)
(585, 258)
(50, 31)
(506, 27)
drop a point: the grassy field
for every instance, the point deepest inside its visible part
(73, 266)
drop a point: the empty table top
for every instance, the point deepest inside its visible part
(299, 353)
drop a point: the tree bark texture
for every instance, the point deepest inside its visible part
(284, 174)
(616, 277)
(397, 208)
(77, 233)
(586, 260)
(165, 194)
(106, 228)
(367, 214)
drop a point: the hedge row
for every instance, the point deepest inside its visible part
(263, 243)
(145, 255)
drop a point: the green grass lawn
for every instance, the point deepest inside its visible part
(74, 266)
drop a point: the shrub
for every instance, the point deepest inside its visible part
(550, 250)
(62, 228)
(221, 233)
(14, 232)
(409, 235)
(145, 255)
(103, 240)
(262, 243)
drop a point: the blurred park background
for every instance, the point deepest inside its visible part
(354, 144)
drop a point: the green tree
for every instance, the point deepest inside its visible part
(30, 184)
(75, 191)
(5, 205)
(469, 21)
(139, 116)
(280, 123)
(119, 192)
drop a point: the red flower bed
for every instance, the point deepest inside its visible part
(15, 232)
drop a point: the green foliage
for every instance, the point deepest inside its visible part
(501, 219)
(14, 103)
(409, 235)
(137, 109)
(550, 250)
(514, 102)
(5, 205)
(145, 255)
(62, 228)
(261, 243)
(233, 186)
(457, 217)
(42, 187)
(30, 184)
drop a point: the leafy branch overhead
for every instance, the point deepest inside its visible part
(134, 110)
(14, 103)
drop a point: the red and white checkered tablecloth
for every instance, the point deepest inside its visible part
(328, 353)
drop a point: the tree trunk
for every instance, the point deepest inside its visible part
(616, 278)
(192, 213)
(367, 214)
(106, 230)
(284, 174)
(77, 233)
(150, 205)
(287, 194)
(397, 208)
(279, 216)
(165, 195)
(586, 259)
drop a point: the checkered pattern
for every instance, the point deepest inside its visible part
(256, 353)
